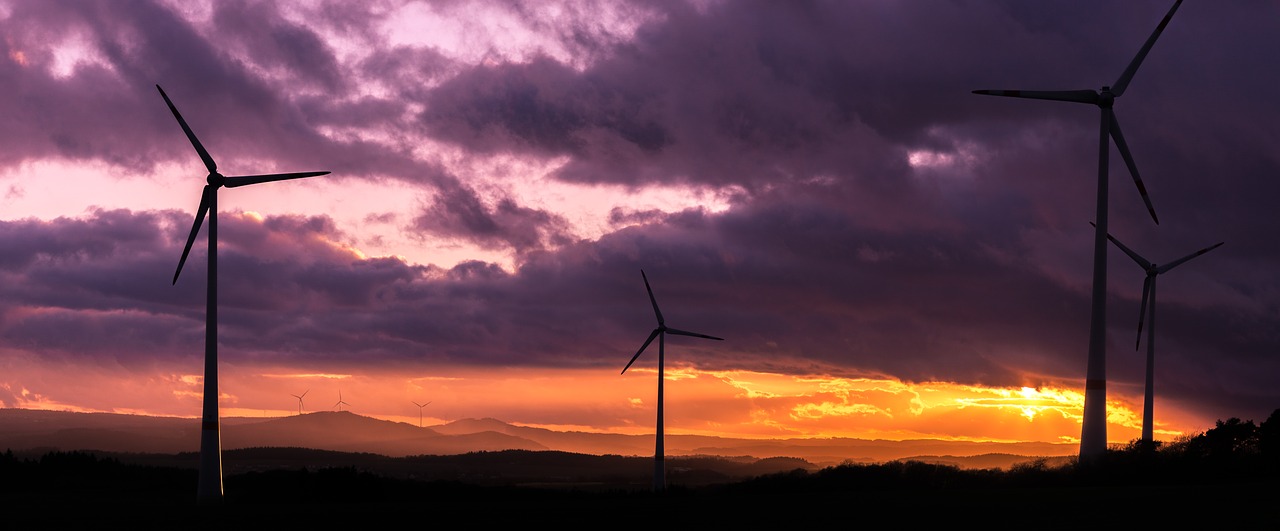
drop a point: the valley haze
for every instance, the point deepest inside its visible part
(35, 430)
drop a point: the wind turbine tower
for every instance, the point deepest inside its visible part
(209, 490)
(1148, 309)
(659, 459)
(1093, 434)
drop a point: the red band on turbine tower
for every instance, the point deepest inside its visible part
(1095, 385)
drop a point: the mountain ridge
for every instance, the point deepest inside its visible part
(23, 429)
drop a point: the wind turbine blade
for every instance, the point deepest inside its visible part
(652, 300)
(1075, 96)
(652, 335)
(692, 334)
(195, 227)
(1128, 160)
(1120, 84)
(1140, 260)
(195, 142)
(1142, 310)
(1178, 262)
(304, 393)
(243, 180)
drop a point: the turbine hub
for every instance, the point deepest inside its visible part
(1105, 98)
(216, 179)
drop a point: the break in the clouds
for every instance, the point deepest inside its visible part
(872, 216)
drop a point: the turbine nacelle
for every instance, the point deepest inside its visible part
(1106, 99)
(216, 180)
(662, 330)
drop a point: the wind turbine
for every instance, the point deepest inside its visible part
(659, 464)
(209, 490)
(340, 402)
(1093, 435)
(420, 406)
(1148, 310)
(300, 399)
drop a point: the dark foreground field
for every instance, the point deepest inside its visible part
(1226, 478)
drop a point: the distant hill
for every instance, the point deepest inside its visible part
(343, 431)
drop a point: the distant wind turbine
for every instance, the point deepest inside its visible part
(209, 491)
(1148, 309)
(1093, 435)
(340, 402)
(299, 397)
(420, 406)
(659, 463)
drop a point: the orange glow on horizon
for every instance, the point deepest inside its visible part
(733, 403)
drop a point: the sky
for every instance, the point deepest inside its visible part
(886, 254)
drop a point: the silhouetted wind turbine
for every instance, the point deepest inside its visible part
(420, 406)
(299, 397)
(209, 490)
(659, 464)
(1093, 435)
(340, 402)
(1148, 309)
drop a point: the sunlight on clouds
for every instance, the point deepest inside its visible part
(829, 409)
(490, 33)
(75, 52)
(1028, 401)
(929, 158)
(674, 374)
(48, 192)
(435, 379)
(824, 405)
(961, 155)
(311, 375)
(184, 387)
(26, 399)
(483, 32)
(1120, 415)
(197, 12)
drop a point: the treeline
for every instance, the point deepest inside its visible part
(1233, 451)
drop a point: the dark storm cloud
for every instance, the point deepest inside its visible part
(745, 93)
(459, 213)
(836, 254)
(273, 42)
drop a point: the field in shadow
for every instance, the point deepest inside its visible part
(1228, 476)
